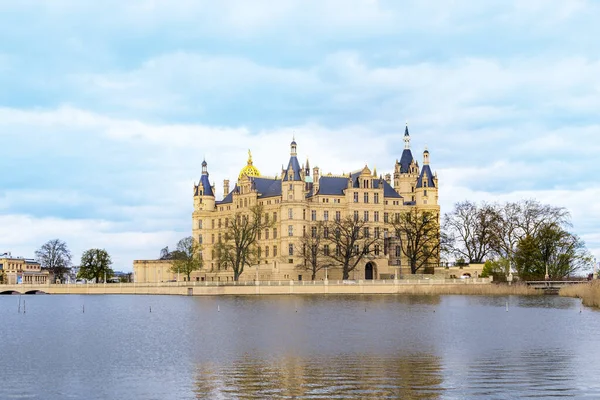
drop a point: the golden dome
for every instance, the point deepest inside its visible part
(249, 169)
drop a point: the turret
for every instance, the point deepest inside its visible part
(316, 180)
(293, 185)
(204, 197)
(406, 171)
(427, 185)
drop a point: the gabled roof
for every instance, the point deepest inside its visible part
(295, 165)
(426, 174)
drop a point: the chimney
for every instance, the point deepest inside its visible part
(225, 187)
(315, 180)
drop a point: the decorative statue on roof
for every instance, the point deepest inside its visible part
(249, 169)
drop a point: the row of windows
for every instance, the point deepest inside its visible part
(366, 197)
(267, 253)
(225, 222)
(313, 216)
(260, 236)
(325, 251)
(335, 201)
(19, 266)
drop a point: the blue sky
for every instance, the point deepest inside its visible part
(108, 108)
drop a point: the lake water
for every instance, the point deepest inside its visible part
(313, 347)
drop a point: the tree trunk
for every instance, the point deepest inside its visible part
(346, 274)
(314, 275)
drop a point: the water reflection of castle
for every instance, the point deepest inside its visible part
(401, 376)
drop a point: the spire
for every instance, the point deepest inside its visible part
(204, 168)
(307, 167)
(406, 137)
(426, 156)
(375, 171)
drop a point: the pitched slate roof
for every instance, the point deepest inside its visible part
(229, 198)
(335, 186)
(425, 174)
(405, 160)
(295, 169)
(205, 183)
(267, 187)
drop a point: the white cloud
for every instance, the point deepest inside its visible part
(133, 95)
(24, 234)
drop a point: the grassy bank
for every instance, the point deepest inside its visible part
(484, 290)
(589, 293)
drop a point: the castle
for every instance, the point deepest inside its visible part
(295, 200)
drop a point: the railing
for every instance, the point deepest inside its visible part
(414, 280)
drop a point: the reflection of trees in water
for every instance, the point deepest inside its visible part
(415, 376)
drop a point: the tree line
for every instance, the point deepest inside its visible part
(529, 237)
(55, 257)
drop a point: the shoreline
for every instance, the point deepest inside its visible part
(589, 294)
(382, 287)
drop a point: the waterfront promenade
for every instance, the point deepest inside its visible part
(245, 288)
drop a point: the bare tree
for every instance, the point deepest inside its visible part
(238, 246)
(351, 242)
(419, 235)
(315, 250)
(472, 229)
(187, 258)
(506, 231)
(535, 215)
(55, 257)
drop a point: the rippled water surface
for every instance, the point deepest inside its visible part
(313, 347)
